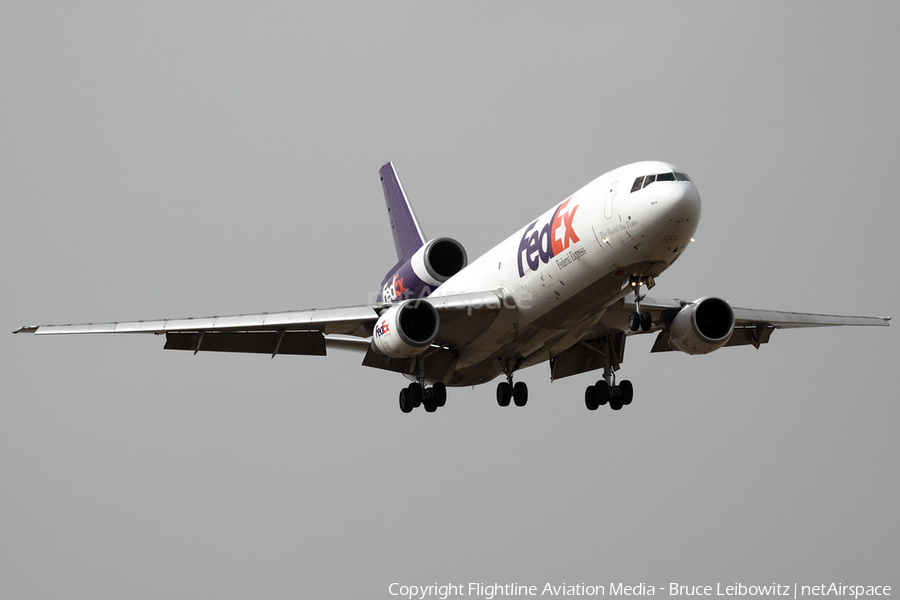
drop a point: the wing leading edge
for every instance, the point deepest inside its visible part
(349, 320)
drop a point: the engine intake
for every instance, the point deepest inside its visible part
(430, 266)
(702, 327)
(441, 258)
(406, 329)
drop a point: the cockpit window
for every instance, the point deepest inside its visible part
(642, 182)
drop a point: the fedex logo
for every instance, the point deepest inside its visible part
(382, 328)
(394, 289)
(554, 237)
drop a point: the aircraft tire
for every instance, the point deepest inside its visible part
(626, 392)
(634, 321)
(615, 403)
(591, 401)
(504, 393)
(416, 394)
(602, 389)
(646, 321)
(429, 404)
(440, 394)
(405, 403)
(520, 393)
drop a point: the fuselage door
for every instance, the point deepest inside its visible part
(610, 197)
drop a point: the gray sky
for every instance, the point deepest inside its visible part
(173, 159)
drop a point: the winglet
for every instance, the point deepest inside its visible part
(408, 236)
(26, 329)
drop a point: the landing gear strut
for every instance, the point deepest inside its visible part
(605, 391)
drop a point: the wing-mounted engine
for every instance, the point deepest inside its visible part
(406, 329)
(430, 266)
(701, 327)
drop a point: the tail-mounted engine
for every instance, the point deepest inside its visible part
(406, 329)
(702, 327)
(431, 265)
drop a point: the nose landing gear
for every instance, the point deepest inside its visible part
(640, 320)
(637, 319)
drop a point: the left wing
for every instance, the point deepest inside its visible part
(755, 326)
(751, 327)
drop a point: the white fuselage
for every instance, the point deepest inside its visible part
(562, 270)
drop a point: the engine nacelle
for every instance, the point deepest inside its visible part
(431, 265)
(702, 327)
(406, 329)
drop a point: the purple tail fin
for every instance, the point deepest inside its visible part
(408, 236)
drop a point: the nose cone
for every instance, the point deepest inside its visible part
(679, 207)
(674, 214)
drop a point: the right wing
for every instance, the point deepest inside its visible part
(305, 332)
(292, 332)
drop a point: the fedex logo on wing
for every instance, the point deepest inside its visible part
(545, 243)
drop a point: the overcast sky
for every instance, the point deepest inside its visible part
(172, 159)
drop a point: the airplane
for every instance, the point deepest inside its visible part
(565, 289)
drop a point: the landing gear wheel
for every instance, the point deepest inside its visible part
(520, 393)
(439, 391)
(634, 321)
(504, 393)
(615, 403)
(626, 392)
(602, 391)
(591, 400)
(416, 394)
(429, 404)
(405, 401)
(646, 321)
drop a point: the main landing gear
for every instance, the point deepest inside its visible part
(606, 391)
(506, 391)
(602, 393)
(415, 395)
(518, 393)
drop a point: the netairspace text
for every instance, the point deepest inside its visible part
(490, 591)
